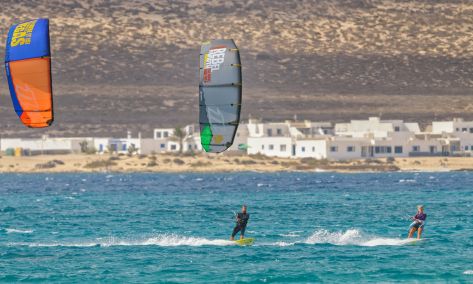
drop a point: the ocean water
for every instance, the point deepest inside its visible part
(309, 227)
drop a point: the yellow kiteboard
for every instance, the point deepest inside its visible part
(245, 242)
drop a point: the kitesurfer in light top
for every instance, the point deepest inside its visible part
(418, 222)
(241, 221)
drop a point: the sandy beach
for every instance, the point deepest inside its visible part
(221, 163)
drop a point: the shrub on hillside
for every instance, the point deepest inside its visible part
(152, 163)
(259, 156)
(47, 165)
(314, 162)
(248, 162)
(100, 164)
(58, 162)
(200, 164)
(178, 161)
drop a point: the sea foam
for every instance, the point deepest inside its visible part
(352, 237)
(164, 240)
(468, 272)
(17, 231)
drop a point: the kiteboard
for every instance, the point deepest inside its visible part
(245, 242)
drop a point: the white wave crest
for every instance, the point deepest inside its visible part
(176, 240)
(283, 244)
(290, 235)
(352, 237)
(165, 240)
(17, 231)
(407, 181)
(468, 272)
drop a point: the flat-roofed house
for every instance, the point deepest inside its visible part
(459, 128)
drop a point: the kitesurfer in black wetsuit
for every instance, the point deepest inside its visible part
(241, 221)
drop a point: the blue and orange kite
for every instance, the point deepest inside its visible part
(28, 68)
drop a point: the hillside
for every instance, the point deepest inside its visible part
(133, 64)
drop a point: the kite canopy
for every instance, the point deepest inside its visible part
(220, 90)
(28, 68)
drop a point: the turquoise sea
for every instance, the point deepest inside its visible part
(309, 228)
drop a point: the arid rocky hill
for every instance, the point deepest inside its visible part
(122, 65)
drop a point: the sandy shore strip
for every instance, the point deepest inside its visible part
(221, 163)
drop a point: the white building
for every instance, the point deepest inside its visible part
(332, 148)
(163, 133)
(376, 128)
(279, 139)
(191, 142)
(392, 138)
(240, 142)
(463, 130)
(164, 137)
(270, 139)
(116, 145)
(372, 138)
(271, 146)
(51, 145)
(43, 145)
(166, 141)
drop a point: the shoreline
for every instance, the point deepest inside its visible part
(202, 163)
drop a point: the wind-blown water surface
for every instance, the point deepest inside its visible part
(309, 227)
